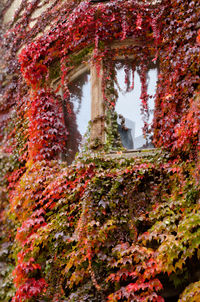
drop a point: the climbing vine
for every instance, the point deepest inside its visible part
(104, 228)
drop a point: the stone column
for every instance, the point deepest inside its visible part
(97, 107)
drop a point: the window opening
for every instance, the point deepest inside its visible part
(128, 107)
(80, 98)
(77, 114)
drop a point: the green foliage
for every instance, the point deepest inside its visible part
(102, 229)
(88, 232)
(77, 59)
(191, 293)
(113, 142)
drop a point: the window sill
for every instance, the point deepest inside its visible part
(133, 153)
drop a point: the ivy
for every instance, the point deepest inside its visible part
(101, 229)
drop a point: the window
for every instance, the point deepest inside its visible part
(128, 106)
(87, 103)
(80, 98)
(77, 113)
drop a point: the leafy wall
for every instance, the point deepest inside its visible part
(104, 228)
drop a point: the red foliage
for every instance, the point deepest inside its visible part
(198, 37)
(47, 132)
(176, 121)
(45, 194)
(31, 288)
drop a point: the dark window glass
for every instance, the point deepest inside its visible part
(128, 107)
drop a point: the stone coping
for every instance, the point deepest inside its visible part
(133, 153)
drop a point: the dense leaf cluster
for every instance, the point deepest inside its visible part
(106, 230)
(177, 118)
(102, 229)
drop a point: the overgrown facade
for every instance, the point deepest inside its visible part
(110, 225)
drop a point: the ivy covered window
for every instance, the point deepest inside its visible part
(118, 99)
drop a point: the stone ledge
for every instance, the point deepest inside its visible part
(133, 153)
